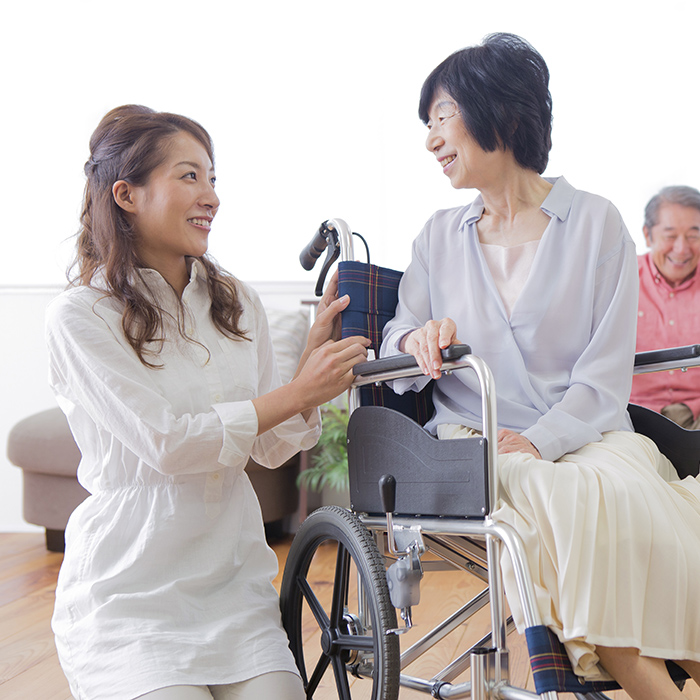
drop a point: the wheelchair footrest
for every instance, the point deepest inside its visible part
(552, 672)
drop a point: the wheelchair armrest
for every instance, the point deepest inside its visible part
(405, 362)
(670, 358)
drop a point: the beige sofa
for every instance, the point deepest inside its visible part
(43, 447)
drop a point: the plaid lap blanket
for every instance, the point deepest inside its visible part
(373, 297)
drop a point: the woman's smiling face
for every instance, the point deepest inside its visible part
(174, 210)
(460, 156)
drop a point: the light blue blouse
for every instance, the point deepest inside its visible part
(563, 361)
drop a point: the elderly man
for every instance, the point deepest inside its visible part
(669, 301)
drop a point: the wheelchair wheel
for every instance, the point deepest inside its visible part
(339, 620)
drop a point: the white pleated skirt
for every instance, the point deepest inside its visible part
(612, 538)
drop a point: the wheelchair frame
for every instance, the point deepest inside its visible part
(478, 551)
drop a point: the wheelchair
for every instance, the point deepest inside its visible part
(419, 504)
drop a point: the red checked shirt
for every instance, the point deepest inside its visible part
(668, 317)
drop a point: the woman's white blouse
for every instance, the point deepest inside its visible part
(167, 576)
(563, 359)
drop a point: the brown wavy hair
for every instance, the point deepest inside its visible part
(128, 144)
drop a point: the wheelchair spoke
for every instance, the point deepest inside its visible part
(316, 676)
(340, 620)
(316, 608)
(355, 642)
(341, 678)
(340, 585)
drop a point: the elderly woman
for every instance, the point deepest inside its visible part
(541, 280)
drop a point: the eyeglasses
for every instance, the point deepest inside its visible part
(441, 119)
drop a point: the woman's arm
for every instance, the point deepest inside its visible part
(324, 370)
(93, 367)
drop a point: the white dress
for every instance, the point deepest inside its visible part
(167, 576)
(611, 535)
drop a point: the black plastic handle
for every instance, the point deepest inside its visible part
(405, 361)
(652, 357)
(314, 248)
(387, 492)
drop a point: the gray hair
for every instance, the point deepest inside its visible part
(675, 194)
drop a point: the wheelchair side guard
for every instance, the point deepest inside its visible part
(438, 477)
(681, 446)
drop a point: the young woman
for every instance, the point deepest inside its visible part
(541, 280)
(163, 365)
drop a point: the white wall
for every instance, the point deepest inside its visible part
(312, 107)
(23, 372)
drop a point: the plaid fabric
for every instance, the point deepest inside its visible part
(551, 668)
(373, 298)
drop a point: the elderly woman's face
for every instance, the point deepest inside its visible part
(460, 156)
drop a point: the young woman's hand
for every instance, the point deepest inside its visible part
(328, 370)
(327, 323)
(426, 343)
(509, 441)
(323, 373)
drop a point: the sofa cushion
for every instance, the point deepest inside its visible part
(43, 443)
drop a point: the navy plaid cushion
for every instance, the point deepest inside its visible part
(551, 668)
(373, 298)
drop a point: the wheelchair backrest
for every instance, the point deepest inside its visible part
(373, 298)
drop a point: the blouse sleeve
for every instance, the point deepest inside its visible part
(412, 311)
(601, 377)
(277, 445)
(92, 366)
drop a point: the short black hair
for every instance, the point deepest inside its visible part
(502, 89)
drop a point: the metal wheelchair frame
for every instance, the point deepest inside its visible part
(473, 545)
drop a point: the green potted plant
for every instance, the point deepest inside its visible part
(329, 459)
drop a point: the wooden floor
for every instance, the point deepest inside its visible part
(29, 668)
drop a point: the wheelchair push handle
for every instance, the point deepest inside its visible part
(315, 247)
(334, 236)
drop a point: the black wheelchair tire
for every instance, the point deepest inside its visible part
(338, 641)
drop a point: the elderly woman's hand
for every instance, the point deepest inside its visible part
(426, 343)
(509, 441)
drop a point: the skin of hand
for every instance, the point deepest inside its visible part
(509, 441)
(426, 343)
(327, 359)
(324, 370)
(327, 323)
(328, 369)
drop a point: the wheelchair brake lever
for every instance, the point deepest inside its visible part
(332, 253)
(404, 575)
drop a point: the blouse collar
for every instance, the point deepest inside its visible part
(556, 203)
